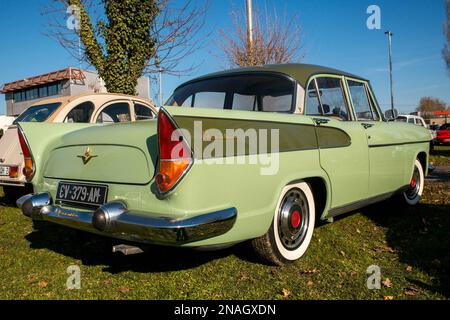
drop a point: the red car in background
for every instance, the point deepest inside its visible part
(443, 134)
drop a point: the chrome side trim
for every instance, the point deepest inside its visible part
(115, 220)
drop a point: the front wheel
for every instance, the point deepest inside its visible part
(412, 195)
(292, 227)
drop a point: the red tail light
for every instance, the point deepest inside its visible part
(28, 169)
(175, 155)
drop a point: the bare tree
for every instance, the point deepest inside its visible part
(275, 39)
(429, 104)
(446, 51)
(138, 36)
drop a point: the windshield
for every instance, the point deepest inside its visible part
(38, 113)
(401, 119)
(249, 92)
(445, 127)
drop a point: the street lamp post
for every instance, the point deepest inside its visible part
(250, 23)
(390, 34)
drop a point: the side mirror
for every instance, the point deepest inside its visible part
(391, 114)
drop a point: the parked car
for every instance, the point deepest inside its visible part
(170, 182)
(443, 135)
(5, 122)
(411, 119)
(418, 121)
(87, 108)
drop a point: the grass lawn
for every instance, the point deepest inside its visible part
(411, 246)
(440, 156)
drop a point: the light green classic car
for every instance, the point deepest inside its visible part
(256, 154)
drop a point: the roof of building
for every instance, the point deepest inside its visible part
(300, 72)
(64, 74)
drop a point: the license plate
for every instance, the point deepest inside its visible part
(4, 171)
(82, 194)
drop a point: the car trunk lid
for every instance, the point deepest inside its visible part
(103, 154)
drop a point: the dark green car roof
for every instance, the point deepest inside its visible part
(297, 71)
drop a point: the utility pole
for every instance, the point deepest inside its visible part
(390, 34)
(161, 99)
(160, 71)
(250, 23)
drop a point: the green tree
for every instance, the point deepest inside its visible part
(123, 39)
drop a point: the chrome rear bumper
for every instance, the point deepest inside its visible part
(115, 220)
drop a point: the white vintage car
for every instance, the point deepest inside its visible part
(5, 122)
(100, 108)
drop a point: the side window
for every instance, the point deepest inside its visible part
(81, 113)
(363, 109)
(331, 99)
(312, 105)
(143, 112)
(214, 100)
(116, 112)
(245, 102)
(187, 103)
(411, 120)
(282, 103)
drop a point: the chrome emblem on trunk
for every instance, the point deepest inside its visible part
(87, 156)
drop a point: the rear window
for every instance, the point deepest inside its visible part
(401, 119)
(445, 127)
(255, 92)
(38, 113)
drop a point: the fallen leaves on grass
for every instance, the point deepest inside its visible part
(107, 282)
(384, 249)
(309, 271)
(42, 284)
(285, 292)
(388, 298)
(309, 284)
(387, 283)
(124, 290)
(409, 269)
(411, 291)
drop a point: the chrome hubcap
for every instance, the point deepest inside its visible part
(414, 186)
(293, 219)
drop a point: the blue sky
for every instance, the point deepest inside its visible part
(334, 34)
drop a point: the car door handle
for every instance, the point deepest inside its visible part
(367, 125)
(320, 121)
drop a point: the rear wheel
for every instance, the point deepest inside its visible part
(292, 227)
(412, 195)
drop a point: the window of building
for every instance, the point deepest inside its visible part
(37, 92)
(117, 112)
(43, 91)
(18, 96)
(81, 113)
(54, 89)
(142, 112)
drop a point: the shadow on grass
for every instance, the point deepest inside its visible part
(94, 250)
(421, 238)
(441, 152)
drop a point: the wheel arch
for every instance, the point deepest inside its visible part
(321, 195)
(423, 158)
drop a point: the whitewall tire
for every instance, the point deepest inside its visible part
(414, 192)
(292, 227)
